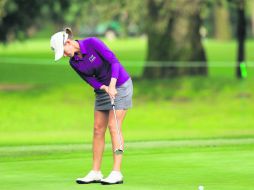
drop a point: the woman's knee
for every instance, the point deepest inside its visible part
(112, 128)
(99, 129)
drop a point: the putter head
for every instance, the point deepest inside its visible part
(118, 151)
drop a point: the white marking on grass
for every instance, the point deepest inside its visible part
(128, 145)
(127, 63)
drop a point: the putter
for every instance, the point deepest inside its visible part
(120, 149)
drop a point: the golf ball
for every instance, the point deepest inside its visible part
(200, 187)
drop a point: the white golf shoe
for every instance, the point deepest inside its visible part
(115, 177)
(91, 177)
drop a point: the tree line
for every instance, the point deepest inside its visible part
(173, 27)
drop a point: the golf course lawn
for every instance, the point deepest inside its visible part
(218, 164)
(190, 108)
(181, 133)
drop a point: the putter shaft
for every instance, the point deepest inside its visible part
(120, 150)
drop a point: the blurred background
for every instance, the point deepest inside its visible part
(192, 64)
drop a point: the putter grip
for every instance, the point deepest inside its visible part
(112, 102)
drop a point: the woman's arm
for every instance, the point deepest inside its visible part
(112, 88)
(89, 79)
(110, 57)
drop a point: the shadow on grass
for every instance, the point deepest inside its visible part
(185, 89)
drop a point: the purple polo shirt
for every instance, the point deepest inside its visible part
(98, 65)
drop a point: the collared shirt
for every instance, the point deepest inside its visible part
(98, 64)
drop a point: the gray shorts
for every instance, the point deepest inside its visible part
(123, 100)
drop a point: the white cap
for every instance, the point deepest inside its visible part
(57, 44)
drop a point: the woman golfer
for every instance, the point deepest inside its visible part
(98, 66)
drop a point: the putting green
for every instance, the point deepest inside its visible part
(217, 164)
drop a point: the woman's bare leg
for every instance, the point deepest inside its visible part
(100, 126)
(120, 114)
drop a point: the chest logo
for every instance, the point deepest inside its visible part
(92, 58)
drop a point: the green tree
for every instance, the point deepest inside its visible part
(2, 11)
(20, 15)
(173, 29)
(90, 13)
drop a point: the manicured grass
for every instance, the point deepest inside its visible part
(181, 133)
(175, 166)
(51, 101)
(189, 108)
(222, 57)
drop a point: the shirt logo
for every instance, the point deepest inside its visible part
(92, 58)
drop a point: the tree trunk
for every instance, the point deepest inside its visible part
(251, 4)
(241, 33)
(174, 40)
(222, 21)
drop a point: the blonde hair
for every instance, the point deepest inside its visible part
(69, 32)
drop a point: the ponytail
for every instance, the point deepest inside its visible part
(69, 32)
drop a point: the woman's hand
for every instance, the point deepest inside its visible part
(104, 87)
(111, 90)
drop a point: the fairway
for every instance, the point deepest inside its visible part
(217, 164)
